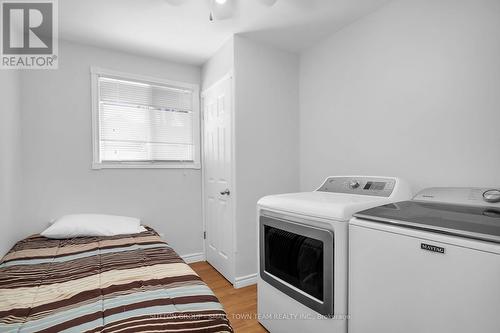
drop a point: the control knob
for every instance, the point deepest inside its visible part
(354, 184)
(492, 196)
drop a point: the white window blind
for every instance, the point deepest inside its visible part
(145, 123)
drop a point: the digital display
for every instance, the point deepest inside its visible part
(374, 186)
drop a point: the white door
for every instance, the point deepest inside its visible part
(218, 164)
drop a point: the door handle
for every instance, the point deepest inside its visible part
(225, 192)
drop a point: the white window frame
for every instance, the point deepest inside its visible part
(98, 164)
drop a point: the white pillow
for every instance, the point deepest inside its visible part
(81, 225)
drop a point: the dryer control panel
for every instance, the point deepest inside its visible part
(360, 185)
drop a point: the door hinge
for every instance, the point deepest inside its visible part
(204, 235)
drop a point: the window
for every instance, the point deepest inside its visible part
(142, 122)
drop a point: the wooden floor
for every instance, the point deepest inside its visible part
(240, 304)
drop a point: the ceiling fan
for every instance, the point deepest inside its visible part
(222, 9)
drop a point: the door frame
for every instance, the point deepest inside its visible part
(228, 75)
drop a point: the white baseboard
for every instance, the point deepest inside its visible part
(193, 257)
(243, 281)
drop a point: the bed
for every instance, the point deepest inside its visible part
(126, 283)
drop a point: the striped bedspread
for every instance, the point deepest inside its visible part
(132, 283)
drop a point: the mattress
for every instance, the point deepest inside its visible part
(127, 283)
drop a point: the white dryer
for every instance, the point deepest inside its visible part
(303, 244)
(428, 265)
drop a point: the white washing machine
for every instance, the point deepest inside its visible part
(303, 244)
(427, 265)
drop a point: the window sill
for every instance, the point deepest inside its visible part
(173, 165)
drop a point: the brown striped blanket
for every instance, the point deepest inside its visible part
(130, 283)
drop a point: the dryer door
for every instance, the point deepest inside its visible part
(298, 260)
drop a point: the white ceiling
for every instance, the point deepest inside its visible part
(180, 30)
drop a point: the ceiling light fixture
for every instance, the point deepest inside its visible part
(227, 9)
(221, 9)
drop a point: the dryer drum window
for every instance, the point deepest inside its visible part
(298, 260)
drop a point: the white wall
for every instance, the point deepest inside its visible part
(411, 90)
(9, 158)
(221, 63)
(57, 153)
(266, 129)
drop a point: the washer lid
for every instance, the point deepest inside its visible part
(479, 222)
(334, 206)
